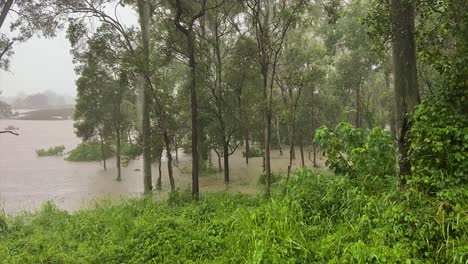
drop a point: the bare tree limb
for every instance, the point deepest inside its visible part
(8, 131)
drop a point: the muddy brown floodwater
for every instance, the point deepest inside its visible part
(27, 181)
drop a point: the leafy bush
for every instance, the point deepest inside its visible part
(349, 151)
(89, 152)
(3, 223)
(130, 152)
(438, 150)
(53, 151)
(253, 152)
(274, 177)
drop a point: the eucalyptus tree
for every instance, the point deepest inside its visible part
(406, 86)
(270, 22)
(186, 14)
(300, 69)
(138, 46)
(220, 36)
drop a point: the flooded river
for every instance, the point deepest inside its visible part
(27, 181)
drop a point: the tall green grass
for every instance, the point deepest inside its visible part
(321, 219)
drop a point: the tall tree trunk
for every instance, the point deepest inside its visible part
(103, 153)
(247, 146)
(4, 11)
(358, 107)
(301, 146)
(219, 160)
(117, 144)
(194, 108)
(159, 181)
(176, 146)
(226, 160)
(406, 88)
(267, 129)
(315, 155)
(278, 136)
(144, 13)
(167, 142)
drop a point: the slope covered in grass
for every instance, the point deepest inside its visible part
(322, 219)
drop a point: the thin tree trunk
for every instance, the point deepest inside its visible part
(219, 160)
(278, 136)
(301, 146)
(117, 143)
(159, 181)
(406, 88)
(358, 107)
(176, 146)
(4, 11)
(226, 160)
(247, 146)
(169, 161)
(315, 155)
(194, 107)
(103, 154)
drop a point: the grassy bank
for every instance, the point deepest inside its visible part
(323, 219)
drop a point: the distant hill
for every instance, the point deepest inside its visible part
(43, 100)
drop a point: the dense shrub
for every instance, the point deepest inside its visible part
(274, 177)
(350, 151)
(53, 151)
(130, 152)
(89, 152)
(438, 150)
(253, 153)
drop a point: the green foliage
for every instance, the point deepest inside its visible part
(438, 150)
(253, 152)
(274, 177)
(130, 152)
(3, 223)
(351, 152)
(323, 219)
(53, 151)
(89, 152)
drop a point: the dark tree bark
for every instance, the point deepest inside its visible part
(278, 135)
(159, 181)
(117, 158)
(167, 142)
(4, 11)
(301, 146)
(406, 88)
(247, 146)
(9, 132)
(226, 160)
(358, 107)
(189, 34)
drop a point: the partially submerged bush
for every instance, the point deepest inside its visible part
(253, 152)
(89, 152)
(274, 177)
(130, 152)
(53, 151)
(349, 151)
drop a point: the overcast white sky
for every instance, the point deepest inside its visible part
(46, 64)
(40, 64)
